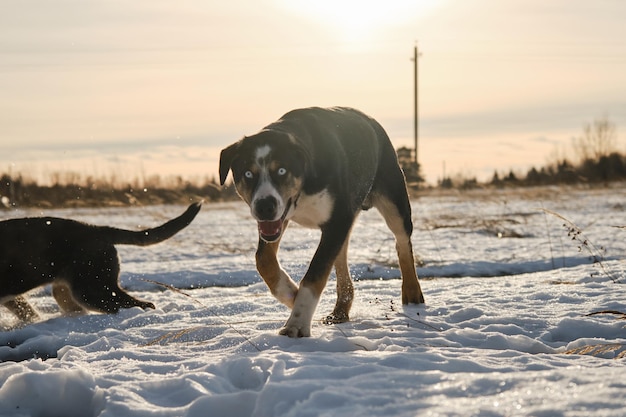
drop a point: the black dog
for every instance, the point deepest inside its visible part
(80, 260)
(319, 168)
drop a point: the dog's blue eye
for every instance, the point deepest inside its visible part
(248, 174)
(282, 171)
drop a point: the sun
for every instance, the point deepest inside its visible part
(360, 20)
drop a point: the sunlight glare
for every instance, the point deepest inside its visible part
(361, 20)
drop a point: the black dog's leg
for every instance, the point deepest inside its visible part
(108, 298)
(334, 234)
(22, 309)
(94, 283)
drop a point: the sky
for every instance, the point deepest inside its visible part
(122, 89)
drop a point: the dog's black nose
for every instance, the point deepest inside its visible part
(265, 208)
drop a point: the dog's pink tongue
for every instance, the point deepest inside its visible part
(270, 229)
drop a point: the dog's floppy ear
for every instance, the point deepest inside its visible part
(226, 160)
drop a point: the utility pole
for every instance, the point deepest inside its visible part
(416, 55)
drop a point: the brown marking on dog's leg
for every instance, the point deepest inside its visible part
(278, 281)
(63, 296)
(411, 289)
(22, 309)
(345, 288)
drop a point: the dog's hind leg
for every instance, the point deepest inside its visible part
(94, 284)
(63, 296)
(22, 309)
(345, 288)
(397, 215)
(106, 298)
(278, 281)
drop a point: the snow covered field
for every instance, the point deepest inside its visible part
(505, 329)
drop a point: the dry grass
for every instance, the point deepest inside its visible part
(73, 190)
(601, 350)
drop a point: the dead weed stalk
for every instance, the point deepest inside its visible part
(576, 234)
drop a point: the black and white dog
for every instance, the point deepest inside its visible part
(78, 259)
(320, 167)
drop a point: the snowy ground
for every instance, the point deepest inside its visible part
(504, 331)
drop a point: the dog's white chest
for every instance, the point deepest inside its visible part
(313, 210)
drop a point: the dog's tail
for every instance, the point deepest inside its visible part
(151, 236)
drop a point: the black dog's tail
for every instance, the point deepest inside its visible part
(151, 236)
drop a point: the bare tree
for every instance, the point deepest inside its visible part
(599, 139)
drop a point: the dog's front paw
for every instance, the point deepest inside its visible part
(295, 330)
(299, 323)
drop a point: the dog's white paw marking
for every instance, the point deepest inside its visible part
(299, 323)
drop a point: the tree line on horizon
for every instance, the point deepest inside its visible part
(598, 161)
(73, 191)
